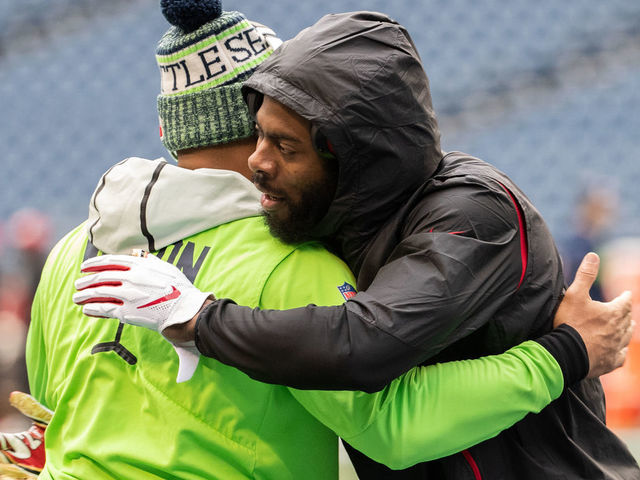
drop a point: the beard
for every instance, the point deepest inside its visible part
(303, 215)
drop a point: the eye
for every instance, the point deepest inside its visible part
(285, 149)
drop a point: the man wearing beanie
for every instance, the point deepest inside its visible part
(452, 259)
(119, 412)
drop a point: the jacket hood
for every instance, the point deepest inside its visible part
(151, 204)
(359, 80)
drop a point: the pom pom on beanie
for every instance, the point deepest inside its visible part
(204, 58)
(189, 15)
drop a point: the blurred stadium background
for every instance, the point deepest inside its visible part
(547, 91)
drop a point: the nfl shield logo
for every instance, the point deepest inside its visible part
(347, 291)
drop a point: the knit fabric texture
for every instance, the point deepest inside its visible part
(202, 71)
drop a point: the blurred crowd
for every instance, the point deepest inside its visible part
(25, 241)
(593, 229)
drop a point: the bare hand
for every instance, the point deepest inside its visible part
(606, 328)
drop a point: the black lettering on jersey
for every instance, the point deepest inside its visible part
(183, 258)
(186, 264)
(160, 253)
(174, 252)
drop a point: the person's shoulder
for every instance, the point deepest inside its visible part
(309, 274)
(460, 173)
(70, 244)
(254, 231)
(467, 196)
(316, 254)
(64, 259)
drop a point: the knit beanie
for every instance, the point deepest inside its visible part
(204, 58)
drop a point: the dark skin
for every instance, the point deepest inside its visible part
(285, 164)
(227, 156)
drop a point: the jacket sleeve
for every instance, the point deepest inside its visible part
(444, 279)
(435, 411)
(310, 347)
(431, 411)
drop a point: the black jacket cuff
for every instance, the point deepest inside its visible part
(568, 348)
(202, 344)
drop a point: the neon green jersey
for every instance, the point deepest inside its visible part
(120, 417)
(119, 413)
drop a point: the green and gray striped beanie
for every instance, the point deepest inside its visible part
(204, 58)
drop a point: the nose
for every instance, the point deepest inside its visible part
(261, 160)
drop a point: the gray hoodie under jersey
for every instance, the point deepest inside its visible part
(151, 204)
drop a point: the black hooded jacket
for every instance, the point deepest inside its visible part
(452, 260)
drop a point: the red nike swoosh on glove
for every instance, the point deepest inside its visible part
(174, 294)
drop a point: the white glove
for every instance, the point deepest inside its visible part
(143, 291)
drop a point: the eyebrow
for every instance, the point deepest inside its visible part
(279, 136)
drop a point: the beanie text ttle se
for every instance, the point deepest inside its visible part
(203, 60)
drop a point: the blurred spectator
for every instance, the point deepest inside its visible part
(28, 237)
(595, 211)
(13, 332)
(621, 271)
(30, 232)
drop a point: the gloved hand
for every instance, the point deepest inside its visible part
(138, 290)
(141, 290)
(22, 455)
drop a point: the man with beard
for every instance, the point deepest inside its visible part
(118, 411)
(452, 260)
